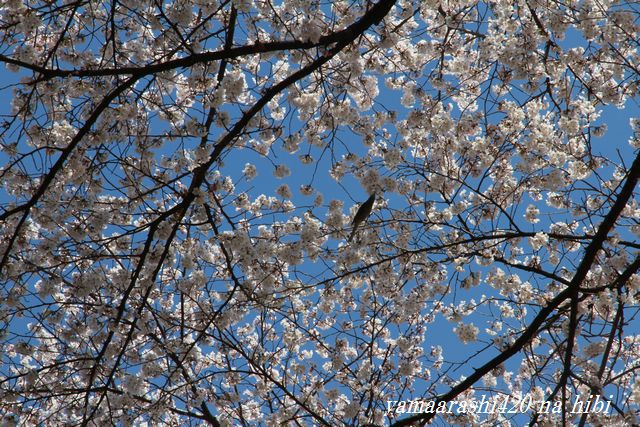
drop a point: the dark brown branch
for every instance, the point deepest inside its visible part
(581, 272)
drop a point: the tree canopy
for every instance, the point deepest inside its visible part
(179, 179)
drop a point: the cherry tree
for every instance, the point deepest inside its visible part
(178, 183)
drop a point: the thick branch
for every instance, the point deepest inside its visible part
(585, 265)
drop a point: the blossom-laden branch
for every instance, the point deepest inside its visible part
(571, 293)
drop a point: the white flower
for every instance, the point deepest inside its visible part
(594, 349)
(284, 191)
(351, 410)
(249, 171)
(532, 214)
(635, 390)
(538, 240)
(466, 332)
(282, 171)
